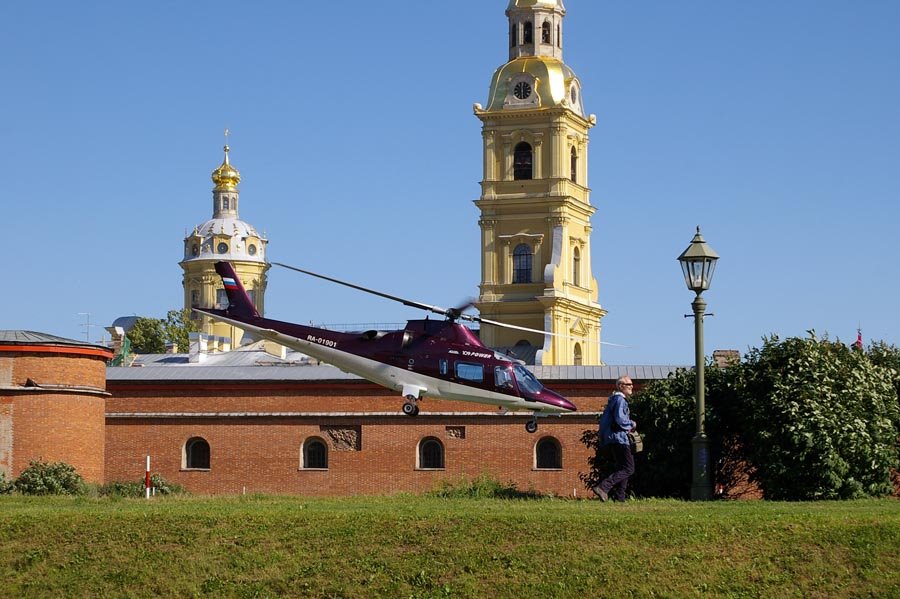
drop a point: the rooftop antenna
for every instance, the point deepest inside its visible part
(87, 328)
(86, 325)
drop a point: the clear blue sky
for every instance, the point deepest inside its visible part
(774, 125)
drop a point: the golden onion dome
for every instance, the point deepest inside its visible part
(226, 177)
(542, 81)
(551, 4)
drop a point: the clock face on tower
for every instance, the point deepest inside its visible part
(522, 90)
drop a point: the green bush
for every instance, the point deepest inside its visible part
(484, 486)
(137, 488)
(819, 420)
(665, 414)
(50, 478)
(799, 419)
(6, 486)
(887, 356)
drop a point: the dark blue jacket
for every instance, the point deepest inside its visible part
(616, 420)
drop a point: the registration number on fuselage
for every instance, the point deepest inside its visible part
(321, 341)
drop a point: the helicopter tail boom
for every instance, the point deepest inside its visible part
(239, 303)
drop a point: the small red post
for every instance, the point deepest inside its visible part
(147, 480)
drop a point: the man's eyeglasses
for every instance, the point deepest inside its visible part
(627, 384)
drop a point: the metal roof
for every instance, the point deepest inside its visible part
(183, 372)
(34, 338)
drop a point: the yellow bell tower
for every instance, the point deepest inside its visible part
(224, 237)
(535, 201)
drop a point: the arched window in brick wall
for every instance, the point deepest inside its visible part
(548, 454)
(315, 454)
(431, 454)
(196, 454)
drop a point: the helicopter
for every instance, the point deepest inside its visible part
(427, 358)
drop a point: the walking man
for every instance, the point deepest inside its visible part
(615, 423)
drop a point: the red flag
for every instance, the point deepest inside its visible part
(858, 343)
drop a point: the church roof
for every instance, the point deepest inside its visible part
(552, 79)
(551, 4)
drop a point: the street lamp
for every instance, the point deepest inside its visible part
(698, 262)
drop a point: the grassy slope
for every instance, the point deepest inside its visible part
(429, 547)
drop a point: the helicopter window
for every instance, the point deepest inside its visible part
(196, 454)
(548, 454)
(502, 378)
(431, 454)
(315, 454)
(522, 259)
(443, 366)
(526, 380)
(470, 372)
(522, 162)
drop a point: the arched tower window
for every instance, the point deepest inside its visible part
(315, 454)
(513, 35)
(196, 453)
(522, 261)
(548, 454)
(529, 33)
(224, 203)
(578, 358)
(431, 454)
(522, 161)
(576, 267)
(573, 166)
(545, 33)
(558, 37)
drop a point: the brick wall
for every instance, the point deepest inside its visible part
(262, 454)
(54, 423)
(57, 427)
(59, 369)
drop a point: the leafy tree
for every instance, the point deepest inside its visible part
(666, 416)
(819, 419)
(147, 336)
(799, 418)
(177, 326)
(150, 335)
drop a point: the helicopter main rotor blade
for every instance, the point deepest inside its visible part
(405, 302)
(530, 330)
(452, 313)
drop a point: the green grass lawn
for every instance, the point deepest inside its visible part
(433, 547)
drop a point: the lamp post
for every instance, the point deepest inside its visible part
(698, 262)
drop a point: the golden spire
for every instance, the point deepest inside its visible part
(226, 177)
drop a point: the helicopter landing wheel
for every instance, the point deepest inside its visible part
(531, 426)
(410, 408)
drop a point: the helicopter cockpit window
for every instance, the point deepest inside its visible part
(470, 372)
(526, 380)
(503, 378)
